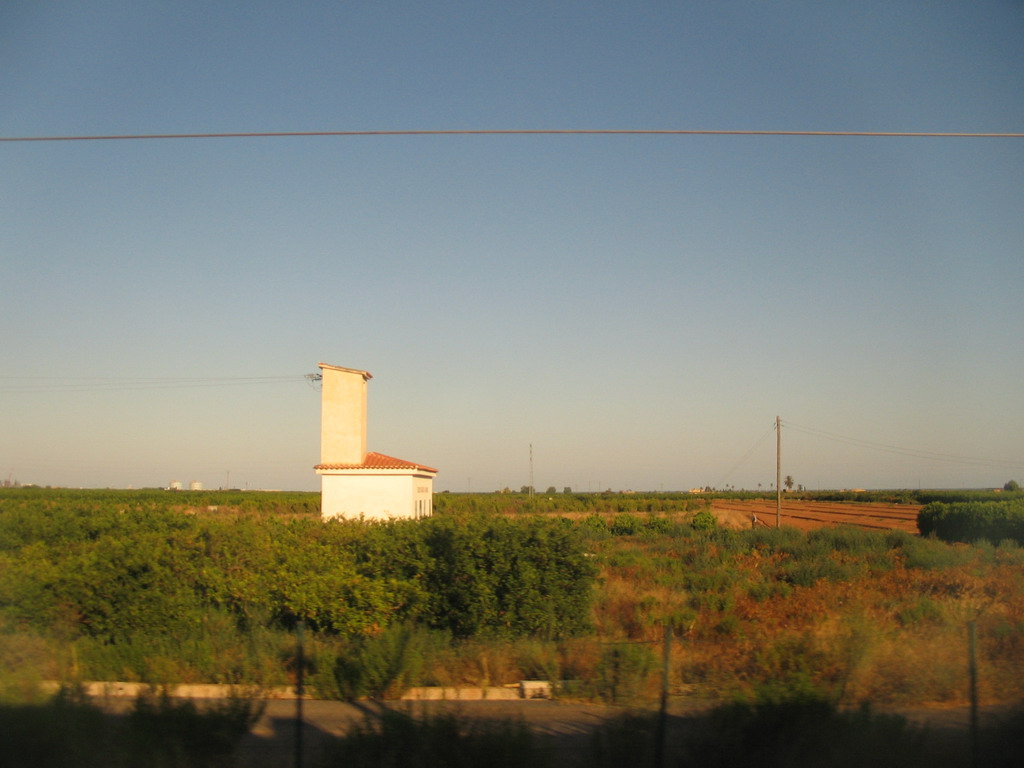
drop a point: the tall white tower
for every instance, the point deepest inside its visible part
(355, 482)
(343, 415)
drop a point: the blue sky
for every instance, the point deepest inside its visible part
(638, 308)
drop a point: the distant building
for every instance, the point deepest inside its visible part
(355, 483)
(174, 486)
(195, 485)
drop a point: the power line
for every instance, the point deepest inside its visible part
(745, 456)
(513, 132)
(51, 384)
(911, 452)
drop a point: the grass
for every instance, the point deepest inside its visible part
(851, 614)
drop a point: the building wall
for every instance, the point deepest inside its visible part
(343, 415)
(376, 496)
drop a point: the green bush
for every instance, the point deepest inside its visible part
(505, 576)
(129, 589)
(704, 521)
(975, 520)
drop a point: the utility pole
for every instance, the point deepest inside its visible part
(531, 472)
(778, 472)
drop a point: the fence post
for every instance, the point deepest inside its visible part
(661, 733)
(972, 673)
(300, 655)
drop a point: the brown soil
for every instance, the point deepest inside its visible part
(808, 515)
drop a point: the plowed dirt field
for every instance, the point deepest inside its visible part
(808, 515)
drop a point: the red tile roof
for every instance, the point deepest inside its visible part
(379, 461)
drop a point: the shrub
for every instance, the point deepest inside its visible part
(704, 521)
(626, 525)
(66, 732)
(385, 664)
(800, 731)
(165, 732)
(971, 521)
(69, 732)
(398, 740)
(503, 576)
(623, 672)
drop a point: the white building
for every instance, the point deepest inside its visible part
(353, 482)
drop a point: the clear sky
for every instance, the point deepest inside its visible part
(638, 308)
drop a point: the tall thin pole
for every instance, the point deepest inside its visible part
(531, 471)
(778, 472)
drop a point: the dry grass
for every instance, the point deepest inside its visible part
(868, 629)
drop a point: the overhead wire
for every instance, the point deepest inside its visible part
(57, 384)
(746, 455)
(514, 132)
(902, 451)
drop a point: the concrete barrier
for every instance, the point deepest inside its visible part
(525, 689)
(115, 689)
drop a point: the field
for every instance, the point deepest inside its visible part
(808, 515)
(843, 604)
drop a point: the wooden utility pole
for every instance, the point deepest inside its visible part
(778, 472)
(531, 473)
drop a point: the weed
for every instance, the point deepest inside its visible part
(383, 665)
(396, 739)
(802, 730)
(71, 733)
(623, 672)
(924, 610)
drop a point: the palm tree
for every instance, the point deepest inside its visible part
(788, 482)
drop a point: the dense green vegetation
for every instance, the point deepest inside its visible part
(276, 503)
(180, 587)
(993, 521)
(135, 591)
(608, 502)
(118, 573)
(496, 588)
